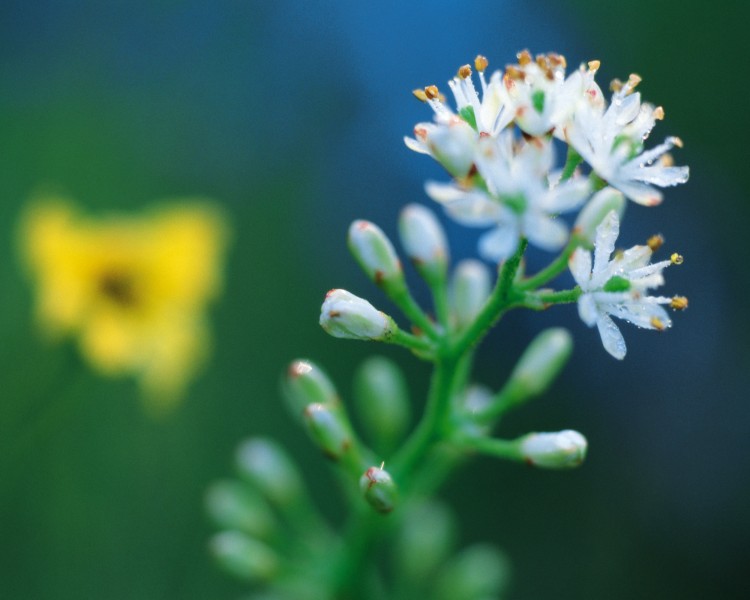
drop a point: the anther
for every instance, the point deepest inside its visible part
(524, 57)
(666, 160)
(481, 63)
(431, 92)
(677, 142)
(615, 85)
(679, 303)
(633, 81)
(676, 259)
(514, 72)
(594, 65)
(657, 323)
(659, 113)
(464, 72)
(655, 242)
(420, 95)
(557, 60)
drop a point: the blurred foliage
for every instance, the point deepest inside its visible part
(291, 116)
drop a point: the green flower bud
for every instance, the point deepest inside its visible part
(244, 557)
(480, 571)
(329, 429)
(540, 363)
(471, 288)
(425, 540)
(591, 216)
(265, 464)
(558, 450)
(233, 505)
(344, 315)
(424, 240)
(379, 489)
(306, 383)
(382, 398)
(376, 255)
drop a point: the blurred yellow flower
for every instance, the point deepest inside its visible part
(132, 289)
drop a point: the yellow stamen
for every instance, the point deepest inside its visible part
(594, 65)
(657, 323)
(659, 113)
(420, 95)
(524, 57)
(677, 142)
(464, 72)
(514, 72)
(676, 259)
(615, 85)
(481, 63)
(679, 303)
(666, 160)
(431, 92)
(655, 242)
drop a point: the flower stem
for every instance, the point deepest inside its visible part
(552, 270)
(415, 314)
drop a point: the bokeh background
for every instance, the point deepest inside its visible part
(291, 114)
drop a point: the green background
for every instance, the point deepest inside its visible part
(291, 115)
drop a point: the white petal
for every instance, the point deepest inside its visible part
(545, 232)
(606, 236)
(416, 145)
(612, 339)
(580, 266)
(567, 196)
(499, 244)
(587, 310)
(638, 192)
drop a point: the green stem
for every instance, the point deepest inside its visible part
(507, 449)
(412, 342)
(500, 300)
(349, 568)
(442, 307)
(436, 412)
(597, 182)
(415, 314)
(552, 270)
(561, 297)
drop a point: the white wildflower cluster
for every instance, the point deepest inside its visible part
(499, 146)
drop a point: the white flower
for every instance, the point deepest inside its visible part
(451, 140)
(519, 201)
(611, 141)
(540, 97)
(554, 450)
(616, 288)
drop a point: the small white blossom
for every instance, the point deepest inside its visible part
(611, 140)
(520, 199)
(345, 315)
(554, 450)
(616, 287)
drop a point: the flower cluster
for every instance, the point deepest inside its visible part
(499, 146)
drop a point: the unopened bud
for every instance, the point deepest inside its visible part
(424, 540)
(558, 450)
(244, 557)
(379, 489)
(376, 255)
(382, 397)
(424, 240)
(345, 315)
(600, 205)
(454, 146)
(265, 464)
(233, 505)
(540, 363)
(306, 383)
(479, 571)
(329, 429)
(471, 288)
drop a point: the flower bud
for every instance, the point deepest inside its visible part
(375, 254)
(540, 363)
(424, 540)
(233, 505)
(345, 315)
(306, 383)
(382, 398)
(329, 429)
(471, 288)
(453, 146)
(379, 489)
(265, 464)
(244, 557)
(558, 450)
(479, 571)
(600, 205)
(424, 240)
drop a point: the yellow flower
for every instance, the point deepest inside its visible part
(131, 289)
